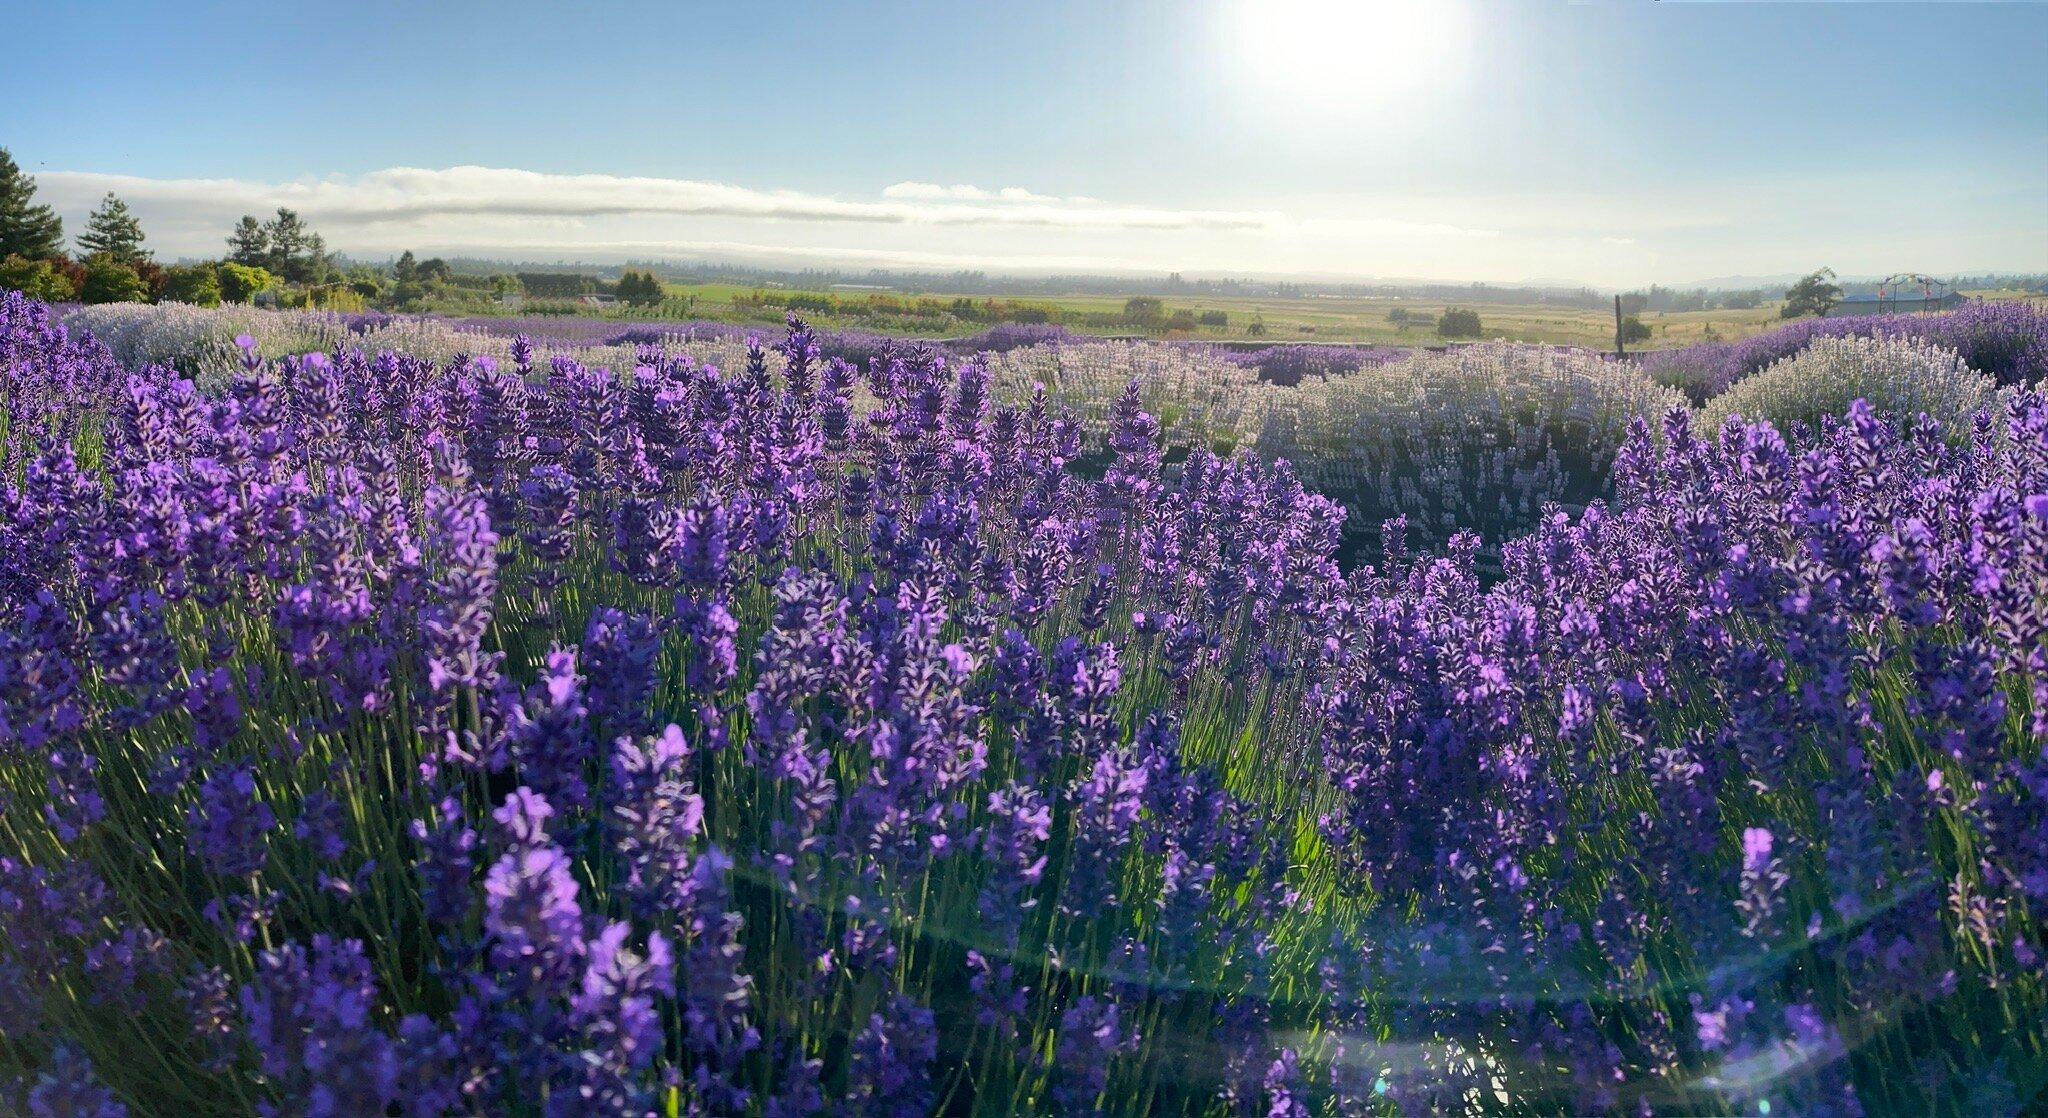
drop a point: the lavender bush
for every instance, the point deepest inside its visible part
(1900, 378)
(1481, 438)
(204, 343)
(1289, 365)
(2006, 341)
(384, 735)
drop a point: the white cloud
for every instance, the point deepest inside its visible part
(931, 191)
(1615, 238)
(401, 194)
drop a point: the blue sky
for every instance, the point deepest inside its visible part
(1615, 143)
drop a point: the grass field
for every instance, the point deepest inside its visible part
(1331, 318)
(1319, 318)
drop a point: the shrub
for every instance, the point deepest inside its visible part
(1458, 322)
(1199, 400)
(200, 342)
(1899, 377)
(1006, 336)
(197, 284)
(109, 281)
(2007, 341)
(1289, 365)
(1477, 439)
(37, 279)
(239, 283)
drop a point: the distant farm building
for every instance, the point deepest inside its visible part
(1908, 302)
(1901, 293)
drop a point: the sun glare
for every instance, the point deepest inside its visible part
(1332, 52)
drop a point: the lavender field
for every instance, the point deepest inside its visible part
(400, 720)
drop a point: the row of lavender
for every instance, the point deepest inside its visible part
(385, 736)
(2007, 341)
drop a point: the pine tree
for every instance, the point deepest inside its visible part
(113, 231)
(26, 230)
(249, 245)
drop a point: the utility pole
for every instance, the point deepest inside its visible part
(1620, 350)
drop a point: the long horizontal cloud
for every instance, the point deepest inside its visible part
(928, 191)
(401, 194)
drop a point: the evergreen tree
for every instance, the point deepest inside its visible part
(26, 230)
(407, 269)
(249, 245)
(287, 233)
(113, 231)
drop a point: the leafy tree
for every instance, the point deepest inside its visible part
(1398, 316)
(1742, 300)
(1633, 330)
(153, 277)
(197, 284)
(1457, 322)
(37, 279)
(1816, 294)
(436, 269)
(112, 231)
(26, 229)
(640, 289)
(107, 280)
(1144, 310)
(1635, 302)
(239, 282)
(406, 269)
(249, 244)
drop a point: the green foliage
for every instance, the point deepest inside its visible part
(26, 229)
(1458, 322)
(283, 246)
(1398, 316)
(108, 280)
(1634, 330)
(197, 284)
(1816, 294)
(1218, 319)
(113, 232)
(407, 269)
(1182, 319)
(249, 245)
(1144, 310)
(37, 279)
(240, 282)
(640, 289)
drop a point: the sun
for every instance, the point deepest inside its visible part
(1333, 52)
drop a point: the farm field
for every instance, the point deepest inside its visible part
(1317, 319)
(398, 718)
(1314, 320)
